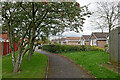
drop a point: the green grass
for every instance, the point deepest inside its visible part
(91, 61)
(35, 68)
(0, 67)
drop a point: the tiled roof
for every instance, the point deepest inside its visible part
(1, 39)
(73, 38)
(4, 36)
(86, 37)
(100, 34)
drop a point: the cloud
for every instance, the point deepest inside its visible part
(71, 34)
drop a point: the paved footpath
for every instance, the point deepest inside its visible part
(60, 67)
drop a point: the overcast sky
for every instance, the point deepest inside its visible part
(88, 28)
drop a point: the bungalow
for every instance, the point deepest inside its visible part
(68, 41)
(98, 39)
(84, 40)
(2, 40)
(4, 37)
(4, 45)
(73, 40)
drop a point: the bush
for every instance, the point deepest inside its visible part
(106, 46)
(106, 49)
(93, 48)
(39, 47)
(69, 48)
(63, 48)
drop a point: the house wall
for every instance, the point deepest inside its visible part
(4, 35)
(73, 43)
(64, 43)
(87, 43)
(91, 40)
(101, 43)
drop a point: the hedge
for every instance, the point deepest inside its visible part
(63, 48)
(93, 48)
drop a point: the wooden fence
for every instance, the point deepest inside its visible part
(5, 48)
(115, 46)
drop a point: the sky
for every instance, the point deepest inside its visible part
(88, 27)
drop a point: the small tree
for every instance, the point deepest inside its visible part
(106, 16)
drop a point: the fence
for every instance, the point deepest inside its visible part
(115, 46)
(5, 48)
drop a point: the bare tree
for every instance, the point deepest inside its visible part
(106, 16)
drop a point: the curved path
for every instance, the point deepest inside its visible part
(60, 67)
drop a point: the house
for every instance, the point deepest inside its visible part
(98, 39)
(84, 40)
(4, 37)
(73, 40)
(67, 41)
(2, 40)
(54, 41)
(62, 41)
(4, 45)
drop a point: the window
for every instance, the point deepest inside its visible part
(94, 42)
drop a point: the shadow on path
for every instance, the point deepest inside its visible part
(60, 67)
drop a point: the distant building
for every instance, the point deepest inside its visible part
(67, 41)
(4, 37)
(73, 40)
(99, 39)
(84, 40)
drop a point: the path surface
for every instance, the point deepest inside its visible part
(60, 67)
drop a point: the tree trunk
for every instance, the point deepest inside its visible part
(30, 51)
(29, 55)
(18, 60)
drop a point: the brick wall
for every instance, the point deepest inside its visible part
(87, 43)
(102, 43)
(73, 43)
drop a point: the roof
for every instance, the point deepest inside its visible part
(86, 37)
(63, 39)
(4, 36)
(73, 38)
(1, 39)
(100, 35)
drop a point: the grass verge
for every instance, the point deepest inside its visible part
(0, 67)
(91, 61)
(35, 68)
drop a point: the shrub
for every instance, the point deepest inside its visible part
(69, 48)
(39, 47)
(106, 49)
(106, 45)
(39, 43)
(63, 48)
(93, 48)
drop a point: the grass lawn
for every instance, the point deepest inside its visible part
(91, 61)
(36, 68)
(0, 67)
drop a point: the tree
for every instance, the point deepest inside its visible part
(14, 25)
(34, 19)
(106, 16)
